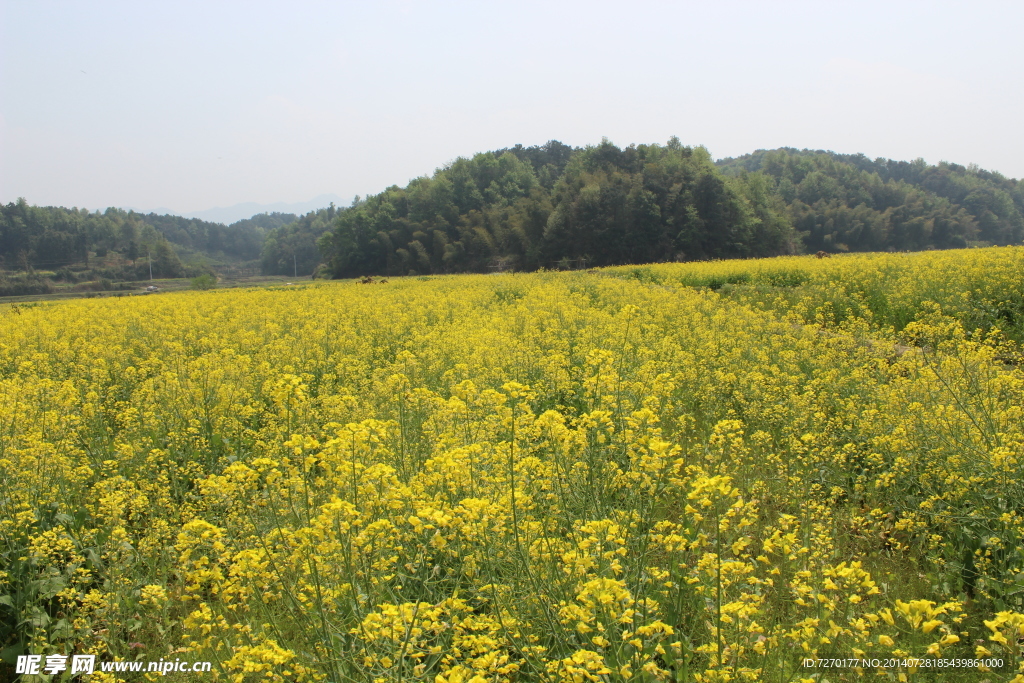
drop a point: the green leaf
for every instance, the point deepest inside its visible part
(9, 654)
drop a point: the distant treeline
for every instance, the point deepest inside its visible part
(549, 206)
(291, 249)
(554, 206)
(843, 202)
(52, 238)
(242, 240)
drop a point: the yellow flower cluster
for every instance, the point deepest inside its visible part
(578, 477)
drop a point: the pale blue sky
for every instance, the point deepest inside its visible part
(195, 105)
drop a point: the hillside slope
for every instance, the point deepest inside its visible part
(553, 206)
(550, 206)
(846, 202)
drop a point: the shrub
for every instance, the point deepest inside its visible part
(204, 281)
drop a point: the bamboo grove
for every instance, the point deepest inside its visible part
(553, 206)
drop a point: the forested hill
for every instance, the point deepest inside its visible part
(49, 238)
(551, 206)
(528, 208)
(555, 206)
(840, 202)
(242, 240)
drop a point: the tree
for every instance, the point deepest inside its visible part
(165, 261)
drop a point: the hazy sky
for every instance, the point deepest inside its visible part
(194, 105)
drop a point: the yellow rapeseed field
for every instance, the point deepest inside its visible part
(676, 472)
